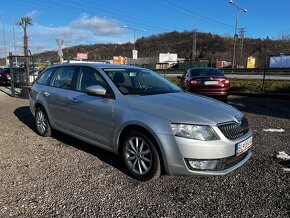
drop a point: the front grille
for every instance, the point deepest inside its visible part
(234, 130)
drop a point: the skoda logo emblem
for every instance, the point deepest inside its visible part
(239, 120)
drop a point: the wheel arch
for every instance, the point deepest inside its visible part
(37, 105)
(150, 135)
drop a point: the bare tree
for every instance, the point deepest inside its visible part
(284, 37)
(23, 23)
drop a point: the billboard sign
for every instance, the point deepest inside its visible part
(82, 56)
(135, 54)
(167, 58)
(120, 60)
(282, 61)
(251, 63)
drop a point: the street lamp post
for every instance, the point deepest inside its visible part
(236, 29)
(134, 34)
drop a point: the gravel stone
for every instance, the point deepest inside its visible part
(64, 177)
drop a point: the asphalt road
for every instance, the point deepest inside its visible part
(64, 177)
(259, 77)
(243, 76)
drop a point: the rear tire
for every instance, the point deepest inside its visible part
(42, 122)
(141, 156)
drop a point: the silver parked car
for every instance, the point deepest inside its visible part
(136, 113)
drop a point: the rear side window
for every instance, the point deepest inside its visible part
(45, 77)
(63, 77)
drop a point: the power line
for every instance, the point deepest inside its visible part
(111, 13)
(74, 8)
(200, 15)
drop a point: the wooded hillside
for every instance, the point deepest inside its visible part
(209, 47)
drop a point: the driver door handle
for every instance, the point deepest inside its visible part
(73, 100)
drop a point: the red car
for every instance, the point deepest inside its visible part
(5, 76)
(206, 81)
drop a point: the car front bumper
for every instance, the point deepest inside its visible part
(178, 152)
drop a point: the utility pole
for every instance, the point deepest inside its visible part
(13, 23)
(242, 32)
(4, 38)
(193, 56)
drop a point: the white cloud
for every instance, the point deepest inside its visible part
(97, 25)
(89, 29)
(62, 31)
(84, 28)
(32, 13)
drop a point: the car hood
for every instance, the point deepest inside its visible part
(185, 108)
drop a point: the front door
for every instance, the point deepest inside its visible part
(91, 117)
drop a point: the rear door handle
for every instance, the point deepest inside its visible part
(46, 94)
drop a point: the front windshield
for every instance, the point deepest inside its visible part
(140, 81)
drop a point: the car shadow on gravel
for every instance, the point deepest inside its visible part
(25, 116)
(105, 156)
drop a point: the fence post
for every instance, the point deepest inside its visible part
(11, 74)
(264, 75)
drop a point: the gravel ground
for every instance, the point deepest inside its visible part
(64, 177)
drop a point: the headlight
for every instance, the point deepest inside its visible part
(204, 133)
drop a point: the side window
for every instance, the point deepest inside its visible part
(63, 77)
(87, 77)
(121, 79)
(45, 77)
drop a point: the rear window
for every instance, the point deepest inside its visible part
(63, 77)
(206, 72)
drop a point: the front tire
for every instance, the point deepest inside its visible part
(42, 122)
(141, 157)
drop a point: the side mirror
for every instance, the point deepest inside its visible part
(96, 90)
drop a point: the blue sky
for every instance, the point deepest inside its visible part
(102, 21)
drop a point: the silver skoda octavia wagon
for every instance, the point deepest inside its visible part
(150, 122)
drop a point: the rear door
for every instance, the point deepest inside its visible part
(57, 96)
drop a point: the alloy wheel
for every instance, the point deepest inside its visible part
(41, 122)
(138, 155)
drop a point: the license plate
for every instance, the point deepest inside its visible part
(243, 146)
(211, 82)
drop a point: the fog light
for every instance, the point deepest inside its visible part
(202, 164)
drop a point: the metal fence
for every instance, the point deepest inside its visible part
(267, 81)
(21, 77)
